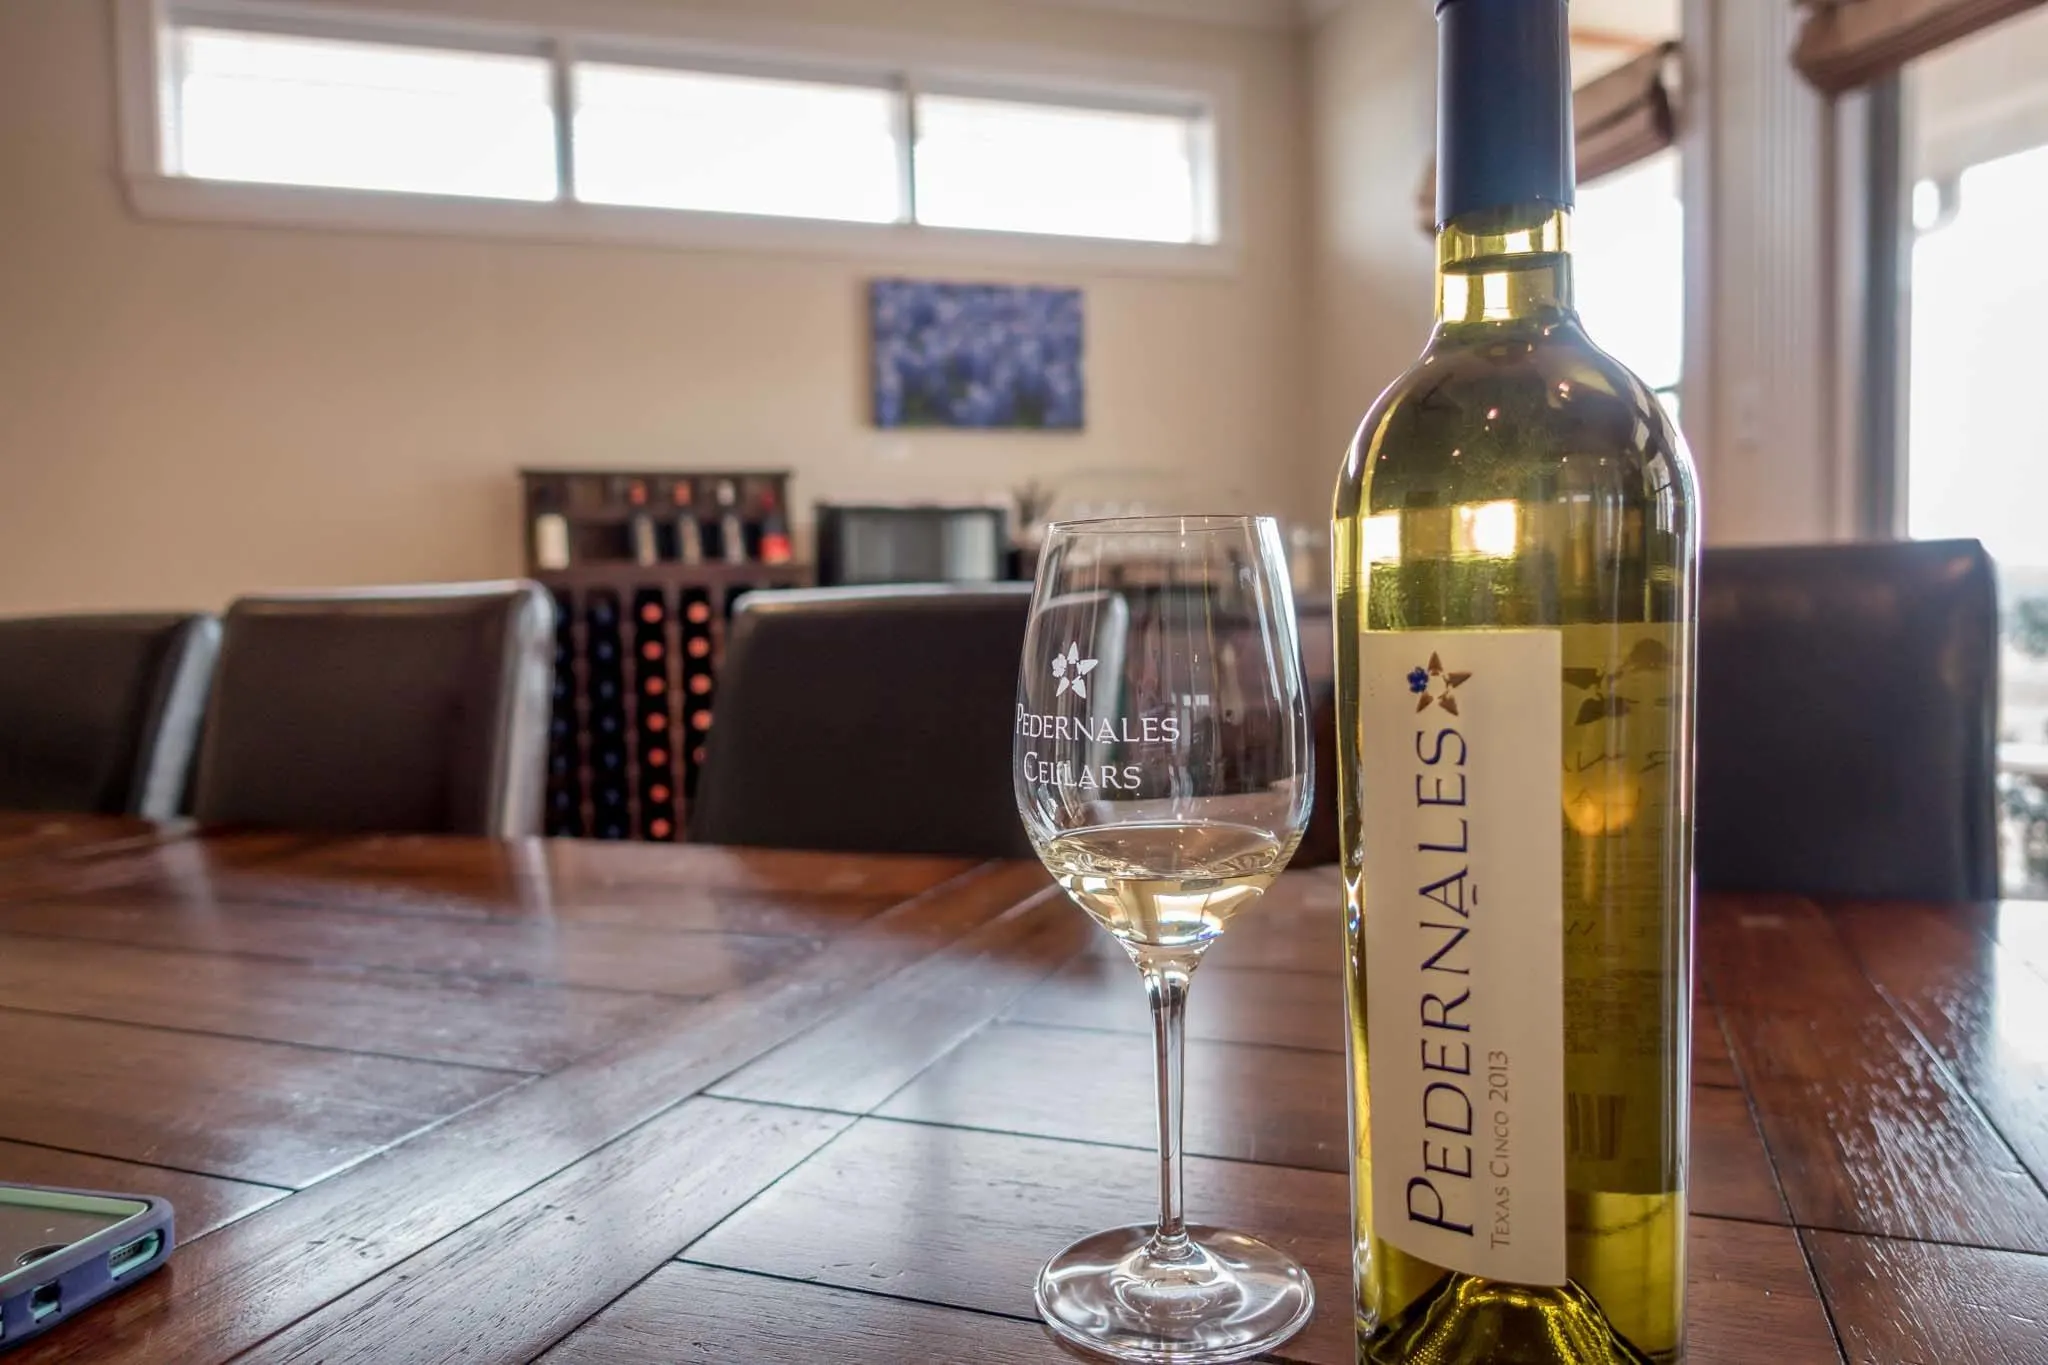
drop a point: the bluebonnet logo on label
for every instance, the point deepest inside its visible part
(1436, 686)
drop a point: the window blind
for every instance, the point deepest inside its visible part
(1845, 44)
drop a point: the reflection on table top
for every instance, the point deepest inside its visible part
(425, 1099)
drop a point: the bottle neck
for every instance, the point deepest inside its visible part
(1505, 266)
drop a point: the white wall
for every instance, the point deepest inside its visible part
(192, 411)
(1372, 78)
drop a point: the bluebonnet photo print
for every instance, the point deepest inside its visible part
(976, 355)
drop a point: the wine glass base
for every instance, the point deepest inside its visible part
(1223, 1296)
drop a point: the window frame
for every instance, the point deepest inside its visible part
(743, 45)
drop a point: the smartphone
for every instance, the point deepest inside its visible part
(62, 1250)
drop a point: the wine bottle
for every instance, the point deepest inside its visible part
(732, 532)
(1515, 541)
(689, 531)
(776, 547)
(565, 752)
(640, 536)
(550, 532)
(656, 774)
(695, 629)
(603, 619)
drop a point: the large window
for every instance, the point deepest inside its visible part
(1628, 238)
(1977, 435)
(310, 111)
(1628, 231)
(339, 100)
(1000, 163)
(736, 144)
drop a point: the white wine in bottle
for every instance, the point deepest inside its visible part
(1516, 540)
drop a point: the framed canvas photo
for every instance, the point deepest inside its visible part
(987, 356)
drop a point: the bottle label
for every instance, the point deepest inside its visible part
(1460, 762)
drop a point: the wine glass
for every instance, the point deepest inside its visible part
(1163, 770)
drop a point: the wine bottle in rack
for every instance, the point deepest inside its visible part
(1516, 540)
(640, 526)
(694, 630)
(550, 531)
(656, 777)
(603, 649)
(564, 814)
(776, 546)
(689, 530)
(732, 532)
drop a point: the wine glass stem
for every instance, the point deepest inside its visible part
(1166, 986)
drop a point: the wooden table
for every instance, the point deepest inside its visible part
(427, 1100)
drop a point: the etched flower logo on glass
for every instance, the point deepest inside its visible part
(1072, 670)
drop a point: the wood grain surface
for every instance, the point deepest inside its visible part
(693, 1315)
(256, 1277)
(526, 949)
(1871, 1129)
(264, 1112)
(423, 1099)
(1904, 1303)
(577, 1241)
(203, 1203)
(477, 1021)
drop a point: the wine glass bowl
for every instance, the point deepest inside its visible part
(1163, 773)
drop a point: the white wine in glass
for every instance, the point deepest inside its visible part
(1166, 887)
(1163, 771)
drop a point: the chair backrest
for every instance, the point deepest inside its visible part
(869, 719)
(101, 713)
(401, 710)
(1848, 711)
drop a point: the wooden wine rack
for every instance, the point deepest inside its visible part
(637, 655)
(638, 644)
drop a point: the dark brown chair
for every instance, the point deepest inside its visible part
(868, 719)
(402, 710)
(1320, 843)
(1848, 710)
(101, 713)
